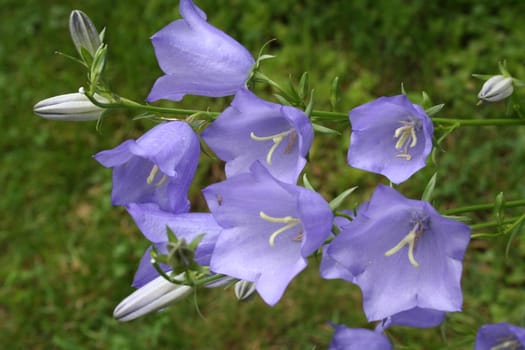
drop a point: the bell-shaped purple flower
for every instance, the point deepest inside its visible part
(154, 223)
(402, 254)
(198, 58)
(358, 339)
(252, 129)
(156, 168)
(390, 136)
(501, 336)
(269, 229)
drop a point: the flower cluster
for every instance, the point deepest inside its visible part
(263, 224)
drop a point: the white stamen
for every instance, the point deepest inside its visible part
(152, 174)
(277, 139)
(288, 220)
(410, 240)
(407, 138)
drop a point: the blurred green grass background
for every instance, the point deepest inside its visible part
(68, 257)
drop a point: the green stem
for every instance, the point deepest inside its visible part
(122, 102)
(493, 223)
(480, 207)
(480, 122)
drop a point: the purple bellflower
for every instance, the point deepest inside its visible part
(500, 336)
(198, 58)
(390, 136)
(358, 339)
(154, 222)
(269, 229)
(156, 168)
(403, 255)
(252, 129)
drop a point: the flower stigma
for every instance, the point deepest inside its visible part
(410, 240)
(288, 220)
(277, 139)
(406, 138)
(153, 174)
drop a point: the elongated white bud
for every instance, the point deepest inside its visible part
(496, 89)
(69, 107)
(244, 289)
(151, 297)
(83, 33)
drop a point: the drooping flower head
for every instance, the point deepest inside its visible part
(156, 168)
(500, 336)
(252, 129)
(198, 58)
(402, 254)
(269, 229)
(154, 223)
(390, 136)
(358, 339)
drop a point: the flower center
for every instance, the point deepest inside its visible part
(277, 139)
(410, 240)
(153, 174)
(406, 138)
(288, 220)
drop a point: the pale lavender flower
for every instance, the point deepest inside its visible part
(154, 223)
(269, 229)
(402, 254)
(390, 136)
(358, 339)
(198, 58)
(253, 129)
(156, 168)
(500, 336)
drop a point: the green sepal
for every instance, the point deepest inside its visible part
(337, 201)
(403, 91)
(482, 76)
(434, 109)
(310, 106)
(282, 100)
(499, 210)
(335, 93)
(324, 130)
(304, 85)
(97, 67)
(307, 184)
(429, 189)
(72, 58)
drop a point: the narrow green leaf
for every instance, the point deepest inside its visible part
(310, 106)
(337, 201)
(304, 85)
(429, 189)
(324, 130)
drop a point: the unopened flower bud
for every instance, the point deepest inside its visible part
(153, 296)
(83, 33)
(69, 107)
(496, 89)
(244, 289)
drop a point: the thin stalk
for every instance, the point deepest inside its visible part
(481, 207)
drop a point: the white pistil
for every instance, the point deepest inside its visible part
(277, 139)
(288, 220)
(152, 174)
(409, 239)
(407, 138)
